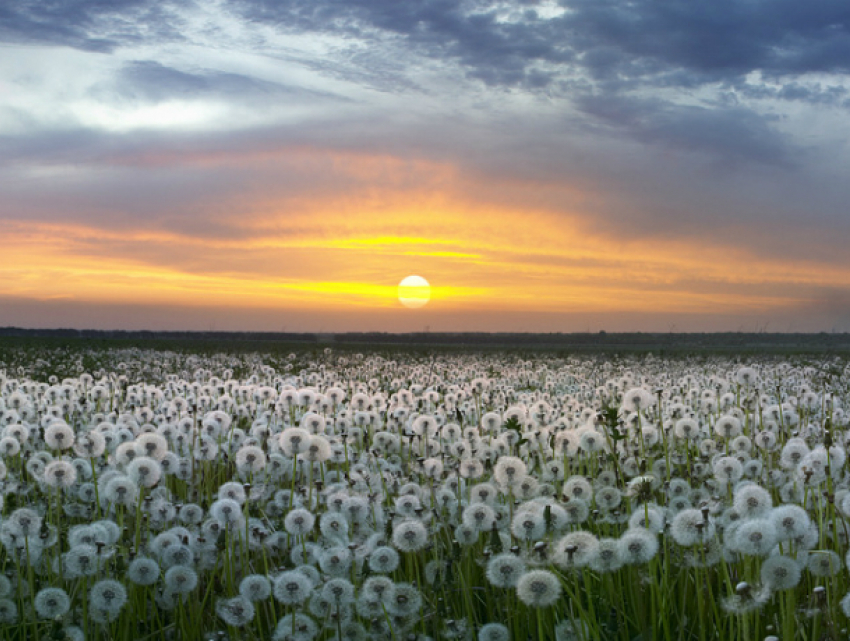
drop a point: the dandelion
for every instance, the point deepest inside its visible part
(790, 521)
(483, 493)
(356, 509)
(334, 524)
(307, 553)
(52, 603)
(407, 505)
(60, 474)
(335, 561)
(410, 535)
(191, 514)
(403, 600)
(755, 537)
(746, 599)
(576, 511)
(780, 573)
(823, 563)
(8, 611)
(143, 571)
(152, 445)
(793, 453)
(227, 512)
(292, 587)
(432, 468)
(509, 470)
(480, 516)
(233, 491)
(637, 399)
(24, 522)
(299, 522)
(608, 498)
(294, 440)
(9, 446)
(690, 527)
(295, 627)
(608, 556)
(494, 632)
(686, 429)
(752, 501)
(505, 569)
(728, 427)
(746, 376)
(81, 560)
(466, 534)
(177, 554)
(528, 526)
(471, 469)
(108, 596)
(377, 587)
(575, 550)
(144, 471)
(638, 546)
(383, 560)
(339, 592)
(649, 517)
(120, 491)
(237, 611)
(728, 469)
(578, 487)
(59, 436)
(180, 579)
(538, 588)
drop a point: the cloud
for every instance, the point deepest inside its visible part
(659, 123)
(735, 134)
(90, 25)
(151, 81)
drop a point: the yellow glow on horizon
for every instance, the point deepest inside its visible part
(334, 252)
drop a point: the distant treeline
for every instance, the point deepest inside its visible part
(773, 342)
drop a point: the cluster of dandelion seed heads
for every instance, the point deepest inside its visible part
(343, 494)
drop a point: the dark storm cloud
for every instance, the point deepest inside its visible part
(597, 53)
(659, 41)
(90, 25)
(717, 39)
(608, 38)
(498, 53)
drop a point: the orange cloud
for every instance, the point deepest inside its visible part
(349, 249)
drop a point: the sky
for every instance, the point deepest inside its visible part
(548, 166)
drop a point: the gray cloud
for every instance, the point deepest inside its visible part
(152, 81)
(90, 25)
(716, 40)
(644, 106)
(732, 135)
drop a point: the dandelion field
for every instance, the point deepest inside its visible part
(156, 494)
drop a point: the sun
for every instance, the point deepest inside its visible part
(414, 292)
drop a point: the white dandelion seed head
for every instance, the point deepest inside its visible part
(754, 537)
(237, 611)
(108, 595)
(505, 569)
(52, 603)
(638, 545)
(538, 588)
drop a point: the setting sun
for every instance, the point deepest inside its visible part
(414, 292)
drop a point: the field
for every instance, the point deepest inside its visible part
(339, 492)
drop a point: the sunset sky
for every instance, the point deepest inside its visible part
(281, 165)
